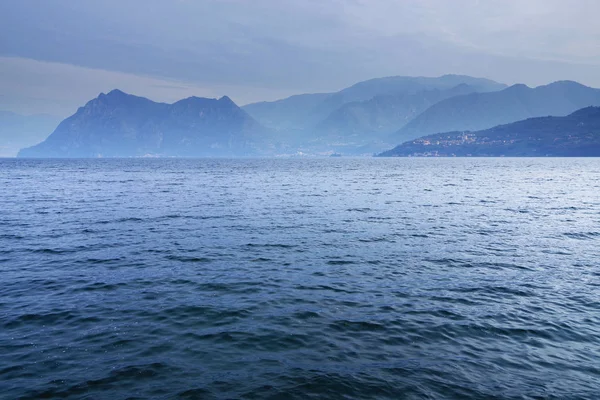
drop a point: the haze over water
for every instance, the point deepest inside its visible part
(299, 278)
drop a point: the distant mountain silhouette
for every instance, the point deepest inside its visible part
(18, 131)
(402, 85)
(352, 119)
(122, 125)
(307, 110)
(575, 135)
(477, 111)
(383, 114)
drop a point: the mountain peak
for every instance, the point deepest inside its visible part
(566, 84)
(227, 100)
(195, 98)
(116, 92)
(114, 95)
(518, 86)
(195, 103)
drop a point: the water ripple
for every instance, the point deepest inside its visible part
(302, 278)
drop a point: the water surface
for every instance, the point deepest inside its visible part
(300, 278)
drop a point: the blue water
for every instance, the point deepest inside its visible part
(300, 278)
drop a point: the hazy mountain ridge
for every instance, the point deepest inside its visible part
(575, 135)
(122, 125)
(399, 86)
(478, 111)
(305, 111)
(383, 114)
(358, 119)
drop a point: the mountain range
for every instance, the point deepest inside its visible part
(384, 113)
(359, 118)
(477, 111)
(307, 110)
(122, 125)
(575, 135)
(363, 119)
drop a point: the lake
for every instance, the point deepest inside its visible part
(300, 278)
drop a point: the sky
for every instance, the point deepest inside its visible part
(55, 55)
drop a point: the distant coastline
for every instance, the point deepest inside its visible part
(480, 118)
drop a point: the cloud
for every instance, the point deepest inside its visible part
(270, 46)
